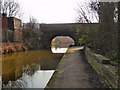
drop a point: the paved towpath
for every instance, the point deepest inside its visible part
(74, 71)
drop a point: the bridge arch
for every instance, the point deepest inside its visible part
(48, 39)
(60, 44)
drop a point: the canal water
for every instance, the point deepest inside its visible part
(59, 50)
(29, 69)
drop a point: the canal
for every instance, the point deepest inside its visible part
(29, 69)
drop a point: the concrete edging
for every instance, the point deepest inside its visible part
(107, 71)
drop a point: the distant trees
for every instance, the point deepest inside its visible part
(32, 33)
(104, 38)
(108, 30)
(11, 8)
(88, 12)
(32, 38)
(32, 24)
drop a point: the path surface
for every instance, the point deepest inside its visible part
(75, 72)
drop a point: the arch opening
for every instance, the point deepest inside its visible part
(60, 44)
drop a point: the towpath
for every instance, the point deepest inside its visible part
(74, 71)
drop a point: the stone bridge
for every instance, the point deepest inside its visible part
(50, 31)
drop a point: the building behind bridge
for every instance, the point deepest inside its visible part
(11, 29)
(62, 42)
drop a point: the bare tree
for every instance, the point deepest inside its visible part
(88, 12)
(32, 24)
(11, 8)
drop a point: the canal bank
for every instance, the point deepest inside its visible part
(10, 47)
(74, 71)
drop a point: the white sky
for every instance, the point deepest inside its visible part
(50, 11)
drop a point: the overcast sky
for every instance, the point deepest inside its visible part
(50, 11)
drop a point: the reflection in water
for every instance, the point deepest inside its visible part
(59, 50)
(31, 79)
(39, 79)
(30, 69)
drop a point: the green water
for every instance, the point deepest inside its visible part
(30, 69)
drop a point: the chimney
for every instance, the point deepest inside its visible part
(4, 15)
